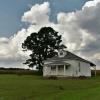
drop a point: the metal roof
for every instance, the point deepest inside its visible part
(58, 63)
(69, 56)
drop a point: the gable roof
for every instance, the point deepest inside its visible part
(69, 56)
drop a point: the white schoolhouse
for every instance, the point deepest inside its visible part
(67, 64)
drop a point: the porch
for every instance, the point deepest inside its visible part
(58, 69)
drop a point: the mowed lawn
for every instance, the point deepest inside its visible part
(31, 87)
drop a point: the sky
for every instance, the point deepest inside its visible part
(78, 22)
(12, 10)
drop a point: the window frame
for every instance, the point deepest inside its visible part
(53, 67)
(79, 67)
(60, 67)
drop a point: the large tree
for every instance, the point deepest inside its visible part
(43, 44)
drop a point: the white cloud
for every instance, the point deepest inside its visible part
(71, 32)
(80, 32)
(3, 40)
(11, 54)
(91, 3)
(38, 14)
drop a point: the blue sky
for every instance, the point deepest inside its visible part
(11, 12)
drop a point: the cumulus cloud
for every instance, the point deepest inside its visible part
(11, 54)
(79, 30)
(88, 21)
(38, 14)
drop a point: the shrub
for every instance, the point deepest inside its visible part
(52, 77)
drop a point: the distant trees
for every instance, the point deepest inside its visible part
(43, 44)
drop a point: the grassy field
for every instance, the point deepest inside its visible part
(31, 87)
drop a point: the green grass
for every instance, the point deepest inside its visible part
(28, 87)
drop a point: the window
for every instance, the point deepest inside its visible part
(61, 67)
(67, 66)
(79, 67)
(61, 53)
(53, 67)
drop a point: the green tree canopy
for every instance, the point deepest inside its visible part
(43, 44)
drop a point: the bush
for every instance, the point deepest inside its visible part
(52, 77)
(82, 77)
